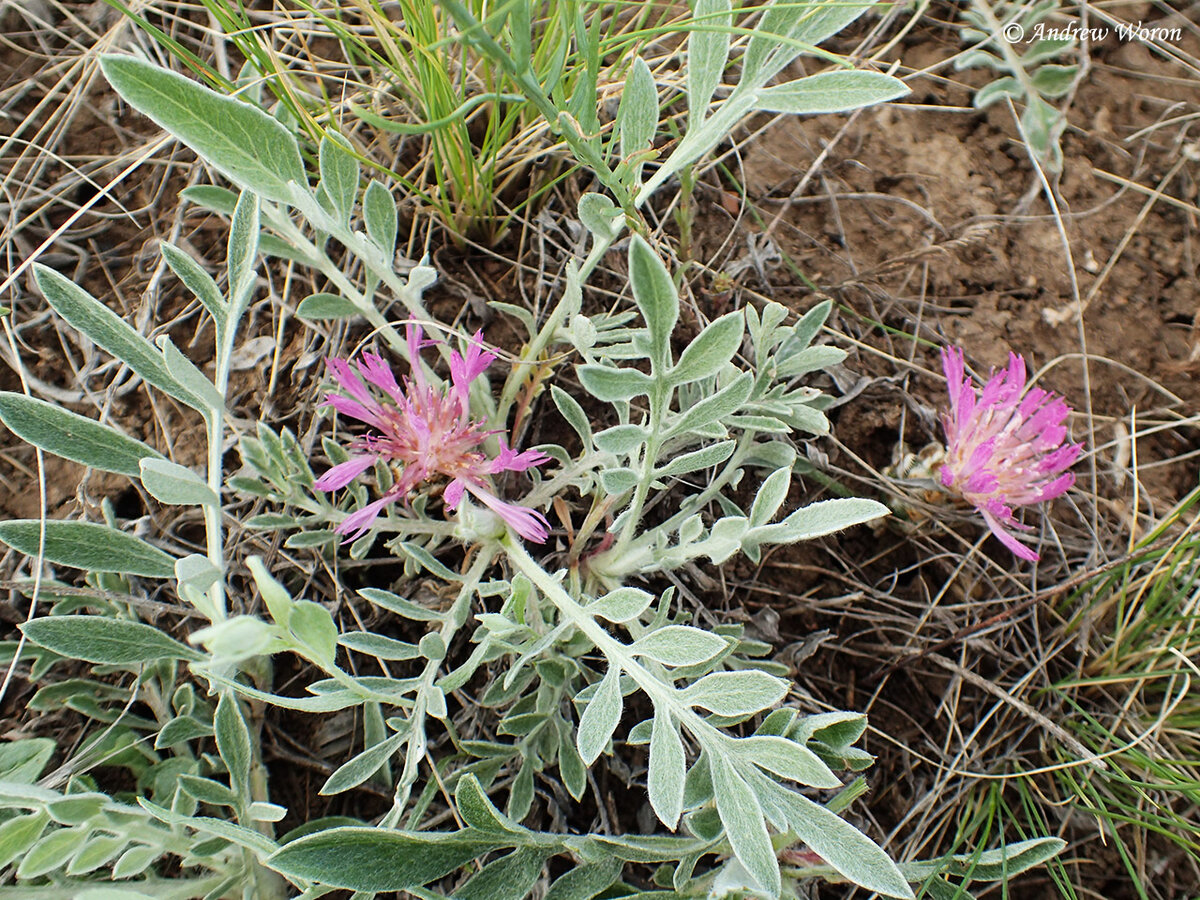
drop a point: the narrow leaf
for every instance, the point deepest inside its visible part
(744, 826)
(665, 776)
(233, 742)
(72, 436)
(375, 859)
(108, 330)
(679, 645)
(830, 92)
(88, 546)
(711, 350)
(656, 297)
(176, 485)
(248, 146)
(707, 53)
(600, 718)
(105, 641)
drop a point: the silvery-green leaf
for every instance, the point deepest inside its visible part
(339, 173)
(326, 306)
(233, 742)
(830, 92)
(51, 851)
(88, 546)
(244, 230)
(96, 852)
(105, 641)
(72, 436)
(679, 645)
(618, 481)
(712, 409)
(401, 607)
(711, 350)
(378, 645)
(704, 458)
(378, 859)
(770, 497)
(998, 89)
(479, 812)
(620, 439)
(1054, 81)
(808, 360)
(196, 280)
(1045, 49)
(600, 718)
(209, 196)
(825, 517)
(21, 762)
(20, 833)
(803, 23)
(835, 840)
(245, 144)
(170, 483)
(601, 217)
(744, 826)
(612, 384)
(511, 877)
(637, 115)
(380, 216)
(570, 409)
(237, 638)
(313, 627)
(978, 58)
(991, 865)
(355, 771)
(621, 605)
(707, 53)
(656, 296)
(787, 759)
(664, 778)
(184, 371)
(586, 881)
(735, 693)
(109, 331)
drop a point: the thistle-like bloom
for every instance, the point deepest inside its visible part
(1005, 446)
(424, 433)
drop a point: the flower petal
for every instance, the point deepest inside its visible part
(344, 473)
(360, 521)
(528, 523)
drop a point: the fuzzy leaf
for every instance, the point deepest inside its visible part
(249, 147)
(612, 384)
(707, 54)
(736, 693)
(656, 296)
(679, 645)
(376, 859)
(600, 718)
(109, 331)
(621, 605)
(665, 776)
(711, 350)
(105, 641)
(830, 92)
(88, 546)
(170, 483)
(380, 217)
(72, 436)
(637, 115)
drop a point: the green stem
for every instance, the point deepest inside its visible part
(663, 695)
(452, 621)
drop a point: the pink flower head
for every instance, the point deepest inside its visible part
(1005, 446)
(424, 432)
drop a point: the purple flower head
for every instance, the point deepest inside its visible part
(1004, 447)
(424, 433)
